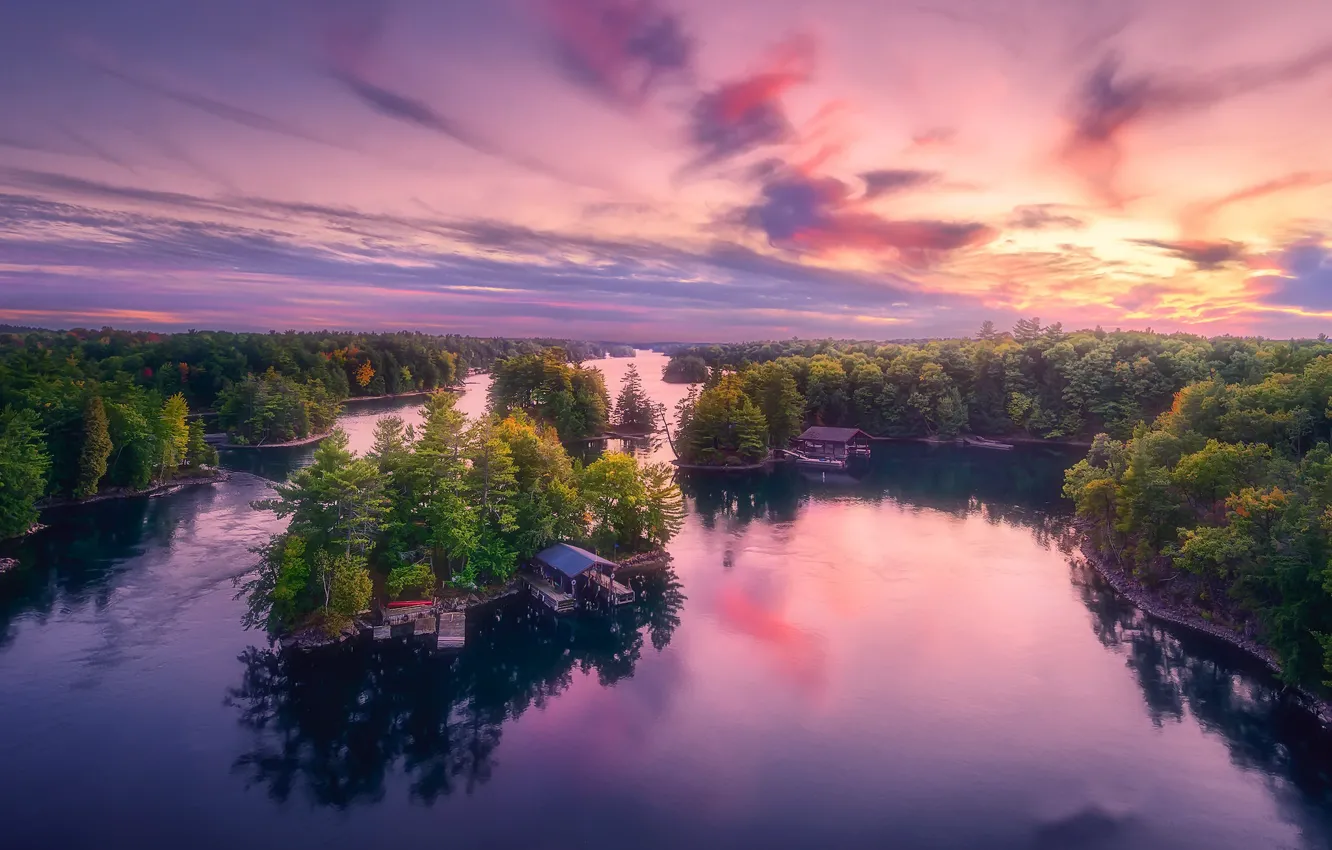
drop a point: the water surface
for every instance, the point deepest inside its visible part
(902, 656)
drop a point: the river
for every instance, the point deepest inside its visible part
(905, 657)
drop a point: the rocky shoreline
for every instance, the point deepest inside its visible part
(1157, 605)
(643, 562)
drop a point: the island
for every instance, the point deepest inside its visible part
(456, 509)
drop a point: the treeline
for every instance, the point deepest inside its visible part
(66, 395)
(1225, 503)
(201, 364)
(460, 502)
(1033, 381)
(69, 438)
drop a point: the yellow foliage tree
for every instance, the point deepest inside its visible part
(365, 374)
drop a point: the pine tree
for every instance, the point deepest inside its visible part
(198, 452)
(634, 411)
(96, 449)
(23, 465)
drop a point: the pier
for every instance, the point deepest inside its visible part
(607, 589)
(548, 594)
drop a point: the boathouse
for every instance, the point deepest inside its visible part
(573, 573)
(833, 445)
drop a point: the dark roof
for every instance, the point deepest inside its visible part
(570, 560)
(831, 435)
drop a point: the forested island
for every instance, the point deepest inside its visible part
(460, 503)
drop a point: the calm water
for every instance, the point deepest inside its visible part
(900, 658)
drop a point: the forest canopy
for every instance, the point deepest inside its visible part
(1035, 381)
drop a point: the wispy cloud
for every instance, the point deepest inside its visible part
(1204, 255)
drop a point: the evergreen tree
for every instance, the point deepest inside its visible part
(723, 427)
(23, 466)
(634, 411)
(96, 449)
(773, 388)
(198, 452)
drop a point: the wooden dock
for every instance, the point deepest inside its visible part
(449, 628)
(818, 462)
(610, 590)
(452, 632)
(548, 594)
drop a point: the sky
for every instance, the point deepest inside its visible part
(654, 170)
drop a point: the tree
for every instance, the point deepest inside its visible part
(723, 427)
(418, 577)
(631, 505)
(634, 411)
(392, 443)
(988, 332)
(347, 586)
(174, 434)
(825, 391)
(198, 452)
(96, 449)
(616, 498)
(552, 391)
(1027, 331)
(338, 501)
(23, 466)
(773, 389)
(663, 504)
(365, 374)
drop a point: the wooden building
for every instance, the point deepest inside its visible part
(830, 447)
(562, 574)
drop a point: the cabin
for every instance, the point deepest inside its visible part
(825, 446)
(562, 574)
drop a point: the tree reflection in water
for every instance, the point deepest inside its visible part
(954, 480)
(340, 721)
(1229, 694)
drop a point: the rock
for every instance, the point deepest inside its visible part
(7, 564)
(315, 637)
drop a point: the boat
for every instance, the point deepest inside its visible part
(983, 443)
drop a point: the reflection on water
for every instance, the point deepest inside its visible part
(337, 722)
(1186, 675)
(1021, 488)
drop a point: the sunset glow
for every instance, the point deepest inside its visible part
(652, 170)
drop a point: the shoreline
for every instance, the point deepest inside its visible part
(413, 394)
(304, 441)
(162, 489)
(644, 562)
(1153, 605)
(718, 467)
(1015, 440)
